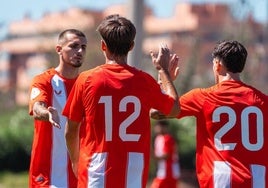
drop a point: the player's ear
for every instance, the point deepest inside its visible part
(58, 49)
(103, 45)
(218, 65)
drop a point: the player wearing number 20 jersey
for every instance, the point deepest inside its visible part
(232, 124)
(231, 134)
(115, 136)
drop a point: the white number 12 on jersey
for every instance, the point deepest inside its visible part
(108, 115)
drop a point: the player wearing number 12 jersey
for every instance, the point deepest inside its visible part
(109, 105)
(232, 125)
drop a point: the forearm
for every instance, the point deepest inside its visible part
(72, 140)
(40, 111)
(169, 88)
(166, 84)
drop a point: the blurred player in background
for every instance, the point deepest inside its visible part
(232, 121)
(50, 165)
(109, 105)
(166, 156)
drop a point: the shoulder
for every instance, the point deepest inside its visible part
(255, 90)
(89, 76)
(257, 94)
(88, 73)
(204, 92)
(246, 90)
(44, 77)
(199, 92)
(144, 76)
(139, 72)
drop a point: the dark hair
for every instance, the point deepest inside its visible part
(232, 54)
(61, 38)
(118, 33)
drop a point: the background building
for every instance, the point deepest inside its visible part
(191, 32)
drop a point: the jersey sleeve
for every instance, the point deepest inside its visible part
(191, 103)
(40, 90)
(73, 109)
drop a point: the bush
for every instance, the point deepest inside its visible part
(15, 139)
(186, 135)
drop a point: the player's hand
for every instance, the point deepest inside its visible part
(161, 61)
(54, 118)
(155, 114)
(173, 66)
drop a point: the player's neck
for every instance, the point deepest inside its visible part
(69, 73)
(116, 59)
(230, 77)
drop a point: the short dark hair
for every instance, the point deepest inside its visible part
(61, 38)
(232, 54)
(118, 33)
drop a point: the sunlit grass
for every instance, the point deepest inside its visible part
(12, 179)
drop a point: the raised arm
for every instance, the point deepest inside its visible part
(162, 63)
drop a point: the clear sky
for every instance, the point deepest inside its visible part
(12, 10)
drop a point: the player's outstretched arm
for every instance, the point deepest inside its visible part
(42, 112)
(173, 69)
(162, 63)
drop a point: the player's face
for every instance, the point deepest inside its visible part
(73, 50)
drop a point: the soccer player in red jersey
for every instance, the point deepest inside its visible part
(109, 105)
(166, 156)
(231, 124)
(50, 165)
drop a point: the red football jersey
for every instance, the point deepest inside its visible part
(114, 101)
(231, 133)
(50, 165)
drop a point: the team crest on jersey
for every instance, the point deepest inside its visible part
(35, 92)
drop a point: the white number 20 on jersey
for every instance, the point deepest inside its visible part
(222, 169)
(244, 127)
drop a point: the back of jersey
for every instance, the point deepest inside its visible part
(232, 137)
(117, 100)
